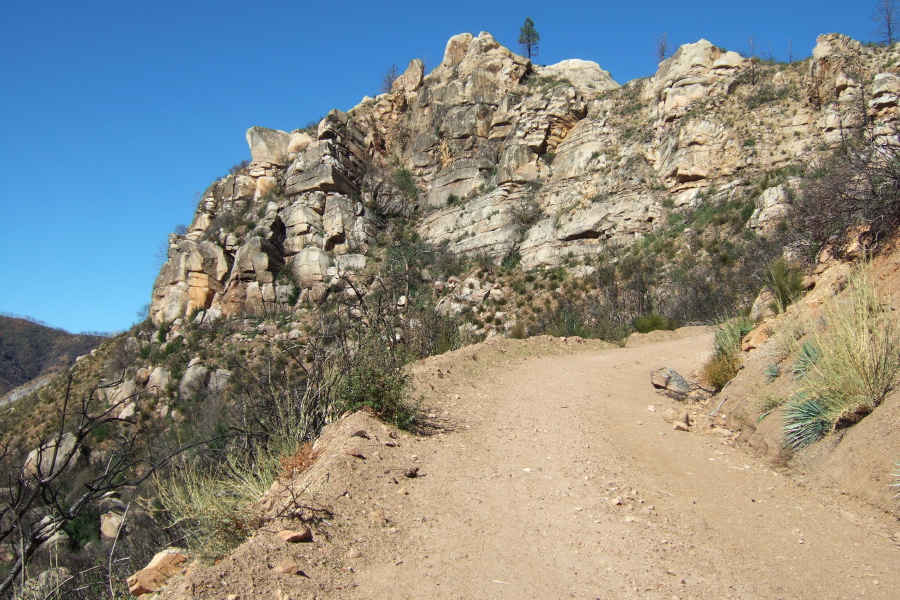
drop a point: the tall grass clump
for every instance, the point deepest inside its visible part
(725, 362)
(786, 282)
(858, 364)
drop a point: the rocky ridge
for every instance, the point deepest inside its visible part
(494, 155)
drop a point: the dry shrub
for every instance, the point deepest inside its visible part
(299, 461)
(720, 369)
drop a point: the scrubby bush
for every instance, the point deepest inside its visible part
(406, 183)
(653, 322)
(786, 283)
(858, 185)
(725, 362)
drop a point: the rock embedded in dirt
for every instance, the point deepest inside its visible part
(158, 571)
(352, 553)
(288, 566)
(411, 473)
(756, 338)
(352, 451)
(669, 380)
(679, 426)
(293, 536)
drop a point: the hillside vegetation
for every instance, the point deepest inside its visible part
(29, 350)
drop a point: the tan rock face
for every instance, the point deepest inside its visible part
(268, 145)
(487, 137)
(154, 576)
(833, 56)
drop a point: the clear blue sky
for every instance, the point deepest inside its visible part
(115, 114)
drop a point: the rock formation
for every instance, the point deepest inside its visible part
(494, 155)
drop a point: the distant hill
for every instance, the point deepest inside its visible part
(28, 350)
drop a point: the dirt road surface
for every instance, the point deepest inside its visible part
(552, 479)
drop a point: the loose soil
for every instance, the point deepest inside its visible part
(544, 473)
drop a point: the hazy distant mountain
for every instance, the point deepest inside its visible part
(28, 350)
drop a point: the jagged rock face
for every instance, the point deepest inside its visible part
(509, 157)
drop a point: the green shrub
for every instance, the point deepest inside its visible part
(719, 370)
(786, 283)
(511, 260)
(725, 362)
(729, 335)
(772, 372)
(653, 322)
(453, 200)
(406, 183)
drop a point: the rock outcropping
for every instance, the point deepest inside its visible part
(494, 155)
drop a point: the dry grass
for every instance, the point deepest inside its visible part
(858, 364)
(720, 369)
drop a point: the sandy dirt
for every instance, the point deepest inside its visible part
(545, 475)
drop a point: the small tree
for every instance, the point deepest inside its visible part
(751, 44)
(388, 78)
(529, 38)
(662, 47)
(886, 16)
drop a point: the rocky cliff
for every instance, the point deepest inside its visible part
(491, 154)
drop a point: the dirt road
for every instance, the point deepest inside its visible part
(554, 480)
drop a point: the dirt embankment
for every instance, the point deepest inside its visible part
(549, 472)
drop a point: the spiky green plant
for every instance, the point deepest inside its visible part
(772, 372)
(805, 422)
(767, 405)
(806, 359)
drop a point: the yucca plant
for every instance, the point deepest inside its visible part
(805, 422)
(772, 372)
(807, 358)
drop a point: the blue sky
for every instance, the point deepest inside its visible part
(116, 114)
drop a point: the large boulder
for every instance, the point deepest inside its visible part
(585, 75)
(411, 80)
(51, 457)
(668, 379)
(268, 145)
(834, 64)
(193, 381)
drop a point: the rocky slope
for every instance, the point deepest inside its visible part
(29, 351)
(493, 155)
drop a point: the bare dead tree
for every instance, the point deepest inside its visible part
(886, 16)
(790, 51)
(751, 47)
(388, 78)
(37, 499)
(662, 47)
